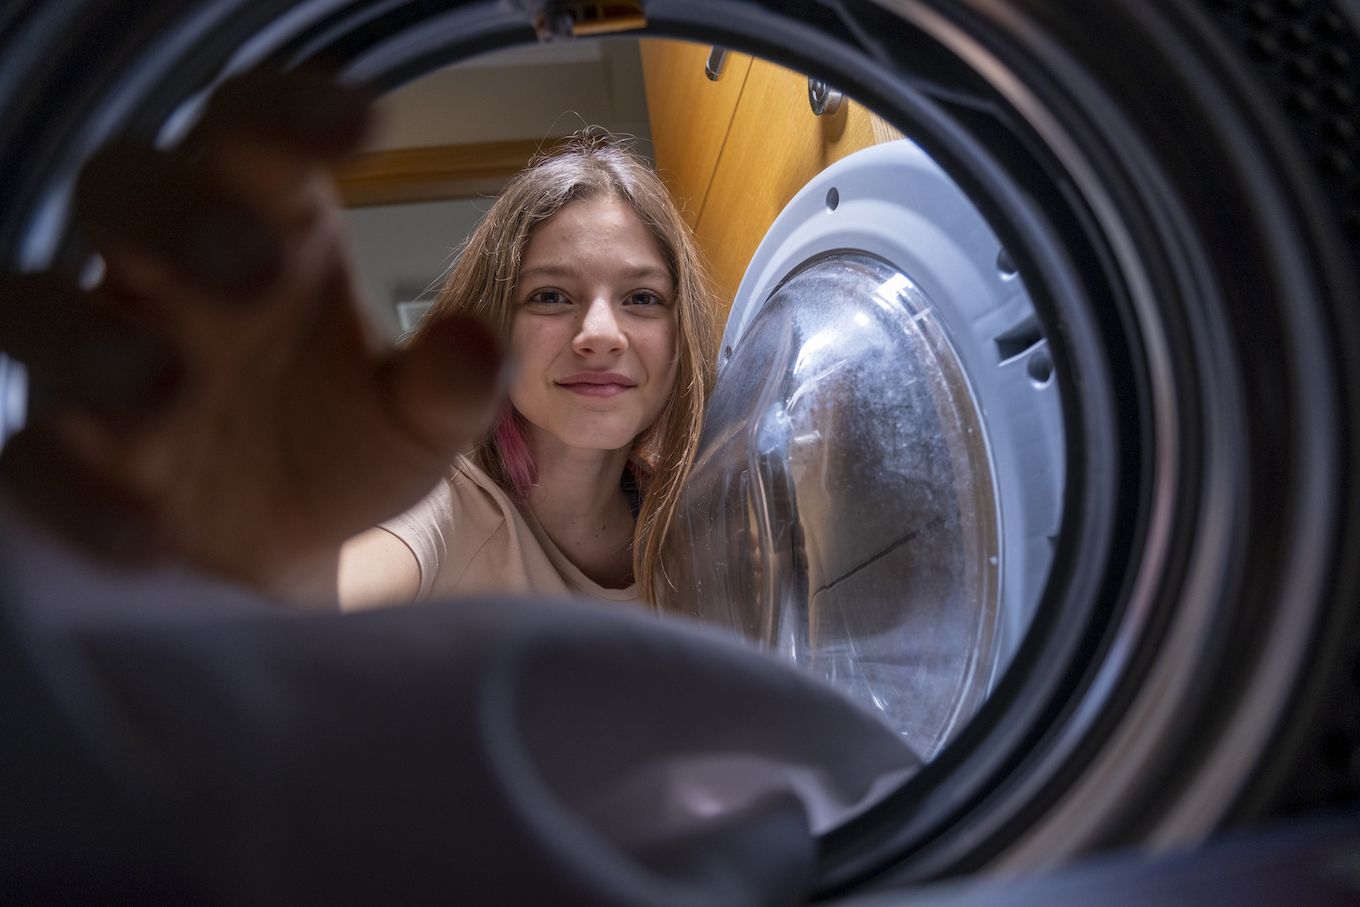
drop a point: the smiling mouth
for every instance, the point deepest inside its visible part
(596, 384)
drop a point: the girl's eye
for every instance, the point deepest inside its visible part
(548, 297)
(644, 298)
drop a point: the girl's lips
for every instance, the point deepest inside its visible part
(596, 384)
(595, 390)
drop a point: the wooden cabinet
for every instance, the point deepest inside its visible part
(689, 116)
(734, 152)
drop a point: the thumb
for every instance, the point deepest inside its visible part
(443, 390)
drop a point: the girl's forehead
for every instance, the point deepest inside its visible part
(594, 229)
(602, 209)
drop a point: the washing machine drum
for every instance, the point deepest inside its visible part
(842, 511)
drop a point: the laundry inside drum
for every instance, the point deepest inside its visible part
(842, 511)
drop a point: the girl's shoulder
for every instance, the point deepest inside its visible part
(474, 501)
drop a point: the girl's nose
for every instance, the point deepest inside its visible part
(600, 331)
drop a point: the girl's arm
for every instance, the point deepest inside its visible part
(376, 570)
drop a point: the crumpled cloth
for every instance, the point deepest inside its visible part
(495, 751)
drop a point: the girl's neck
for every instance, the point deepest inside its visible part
(580, 505)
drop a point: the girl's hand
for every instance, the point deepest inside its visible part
(218, 398)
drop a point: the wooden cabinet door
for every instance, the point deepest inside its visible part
(775, 145)
(735, 152)
(689, 116)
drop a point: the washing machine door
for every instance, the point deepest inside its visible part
(842, 511)
(845, 510)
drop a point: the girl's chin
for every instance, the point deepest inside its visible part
(614, 438)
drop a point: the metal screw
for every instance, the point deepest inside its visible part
(824, 99)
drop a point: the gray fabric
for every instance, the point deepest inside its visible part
(494, 751)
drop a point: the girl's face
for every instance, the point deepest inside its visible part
(594, 331)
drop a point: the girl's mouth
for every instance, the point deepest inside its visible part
(596, 384)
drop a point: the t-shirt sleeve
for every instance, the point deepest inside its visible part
(425, 529)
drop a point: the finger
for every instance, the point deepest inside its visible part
(132, 194)
(59, 492)
(305, 109)
(79, 353)
(444, 389)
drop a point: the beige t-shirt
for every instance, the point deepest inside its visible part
(470, 539)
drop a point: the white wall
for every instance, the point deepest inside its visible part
(401, 249)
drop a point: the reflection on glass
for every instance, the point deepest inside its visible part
(842, 510)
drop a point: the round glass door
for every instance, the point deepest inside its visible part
(842, 511)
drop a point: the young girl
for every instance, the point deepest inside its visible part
(588, 270)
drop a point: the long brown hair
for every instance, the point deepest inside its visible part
(483, 281)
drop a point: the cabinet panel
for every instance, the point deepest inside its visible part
(734, 152)
(774, 146)
(689, 115)
(413, 175)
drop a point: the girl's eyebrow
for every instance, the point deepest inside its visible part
(569, 272)
(647, 272)
(550, 271)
